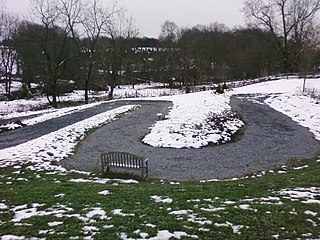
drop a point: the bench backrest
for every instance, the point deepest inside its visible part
(122, 159)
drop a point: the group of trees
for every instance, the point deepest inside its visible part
(67, 40)
(83, 44)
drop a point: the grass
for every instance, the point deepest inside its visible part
(250, 208)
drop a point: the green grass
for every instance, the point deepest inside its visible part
(219, 210)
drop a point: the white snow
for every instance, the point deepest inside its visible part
(3, 206)
(187, 124)
(24, 107)
(286, 96)
(22, 212)
(161, 199)
(304, 195)
(60, 195)
(247, 207)
(180, 212)
(103, 180)
(235, 228)
(12, 237)
(94, 212)
(212, 209)
(104, 192)
(308, 212)
(57, 145)
(40, 116)
(90, 229)
(162, 235)
(119, 212)
(301, 109)
(53, 224)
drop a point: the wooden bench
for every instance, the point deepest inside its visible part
(124, 160)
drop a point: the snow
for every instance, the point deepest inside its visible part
(187, 124)
(60, 195)
(301, 109)
(105, 192)
(235, 228)
(247, 207)
(280, 86)
(212, 209)
(103, 181)
(3, 206)
(57, 145)
(304, 195)
(22, 212)
(159, 199)
(308, 212)
(12, 237)
(180, 212)
(119, 212)
(162, 235)
(97, 212)
(53, 224)
(17, 108)
(286, 96)
(44, 115)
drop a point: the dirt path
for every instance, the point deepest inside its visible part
(270, 139)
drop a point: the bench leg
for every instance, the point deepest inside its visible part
(144, 171)
(102, 165)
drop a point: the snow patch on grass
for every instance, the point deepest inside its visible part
(119, 212)
(304, 195)
(162, 235)
(235, 228)
(159, 199)
(103, 181)
(104, 193)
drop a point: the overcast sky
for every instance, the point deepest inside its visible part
(149, 15)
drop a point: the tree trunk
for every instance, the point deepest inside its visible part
(110, 95)
(86, 89)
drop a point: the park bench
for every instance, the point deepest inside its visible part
(124, 160)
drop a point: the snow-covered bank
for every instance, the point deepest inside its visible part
(55, 146)
(191, 124)
(284, 85)
(299, 108)
(286, 96)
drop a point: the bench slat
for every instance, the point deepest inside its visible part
(124, 160)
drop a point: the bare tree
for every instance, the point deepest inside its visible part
(70, 16)
(8, 55)
(117, 59)
(169, 36)
(53, 42)
(94, 21)
(285, 19)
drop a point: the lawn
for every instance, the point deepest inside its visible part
(278, 204)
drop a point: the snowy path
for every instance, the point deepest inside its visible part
(25, 134)
(267, 142)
